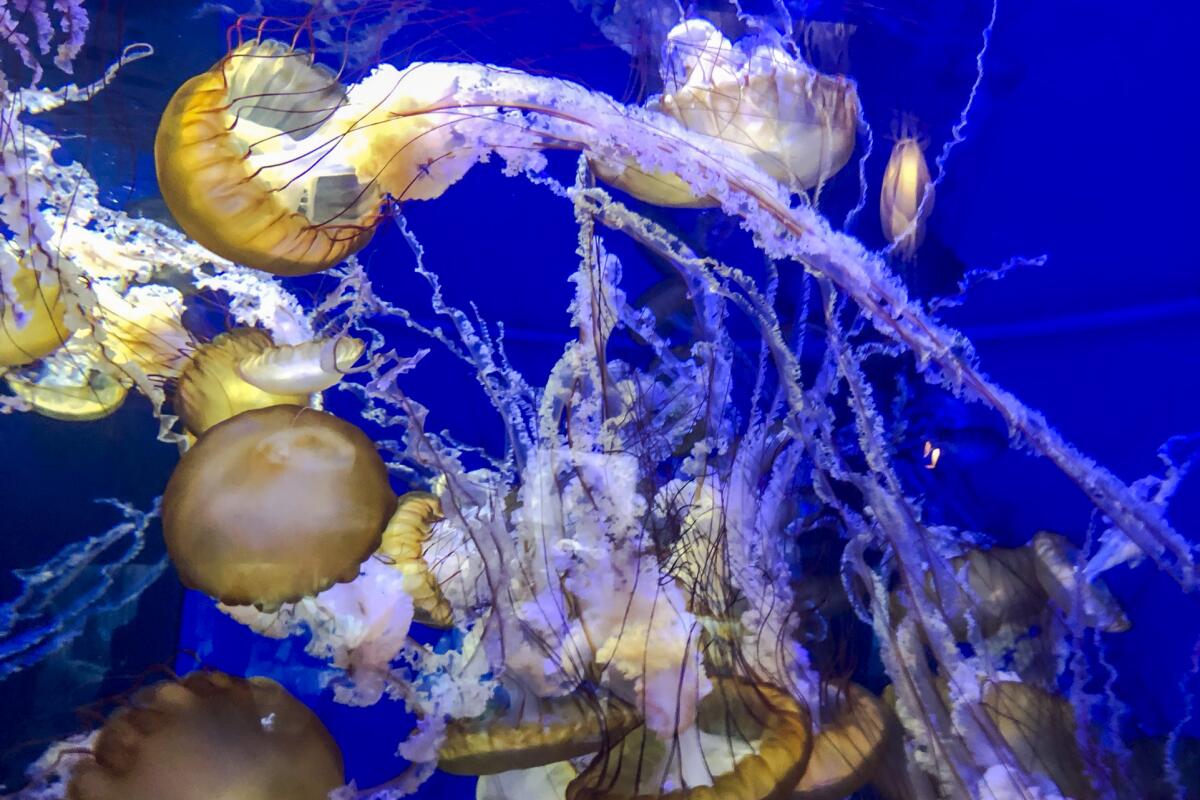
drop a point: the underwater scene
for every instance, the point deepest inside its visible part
(599, 400)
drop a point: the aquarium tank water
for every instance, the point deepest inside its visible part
(599, 400)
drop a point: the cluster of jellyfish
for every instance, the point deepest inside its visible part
(625, 583)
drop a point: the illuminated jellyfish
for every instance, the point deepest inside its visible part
(275, 504)
(906, 196)
(208, 735)
(31, 319)
(243, 369)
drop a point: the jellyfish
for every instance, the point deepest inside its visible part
(906, 197)
(855, 730)
(69, 384)
(31, 319)
(260, 105)
(405, 542)
(244, 369)
(275, 504)
(749, 742)
(267, 160)
(210, 735)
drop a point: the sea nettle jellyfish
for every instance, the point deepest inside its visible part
(210, 735)
(276, 504)
(31, 320)
(267, 160)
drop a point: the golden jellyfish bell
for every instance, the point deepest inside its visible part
(750, 742)
(248, 171)
(906, 199)
(405, 541)
(1039, 728)
(275, 504)
(849, 745)
(525, 731)
(72, 385)
(656, 187)
(797, 124)
(210, 735)
(41, 330)
(211, 385)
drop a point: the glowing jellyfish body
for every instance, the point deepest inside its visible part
(274, 505)
(523, 731)
(750, 742)
(405, 541)
(261, 106)
(848, 746)
(69, 387)
(795, 123)
(906, 199)
(301, 369)
(211, 389)
(39, 330)
(210, 735)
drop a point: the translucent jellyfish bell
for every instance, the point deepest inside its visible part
(248, 172)
(244, 369)
(523, 731)
(405, 541)
(276, 504)
(798, 125)
(210, 735)
(906, 199)
(750, 742)
(855, 726)
(37, 332)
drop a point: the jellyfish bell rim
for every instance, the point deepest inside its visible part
(197, 161)
(489, 744)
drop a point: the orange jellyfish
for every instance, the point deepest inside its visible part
(405, 542)
(906, 199)
(42, 329)
(750, 742)
(276, 504)
(210, 735)
(244, 369)
(855, 728)
(523, 731)
(259, 107)
(267, 160)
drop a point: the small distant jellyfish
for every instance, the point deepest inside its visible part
(39, 330)
(523, 731)
(210, 735)
(261, 106)
(906, 199)
(274, 505)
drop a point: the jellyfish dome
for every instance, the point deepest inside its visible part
(210, 735)
(275, 504)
